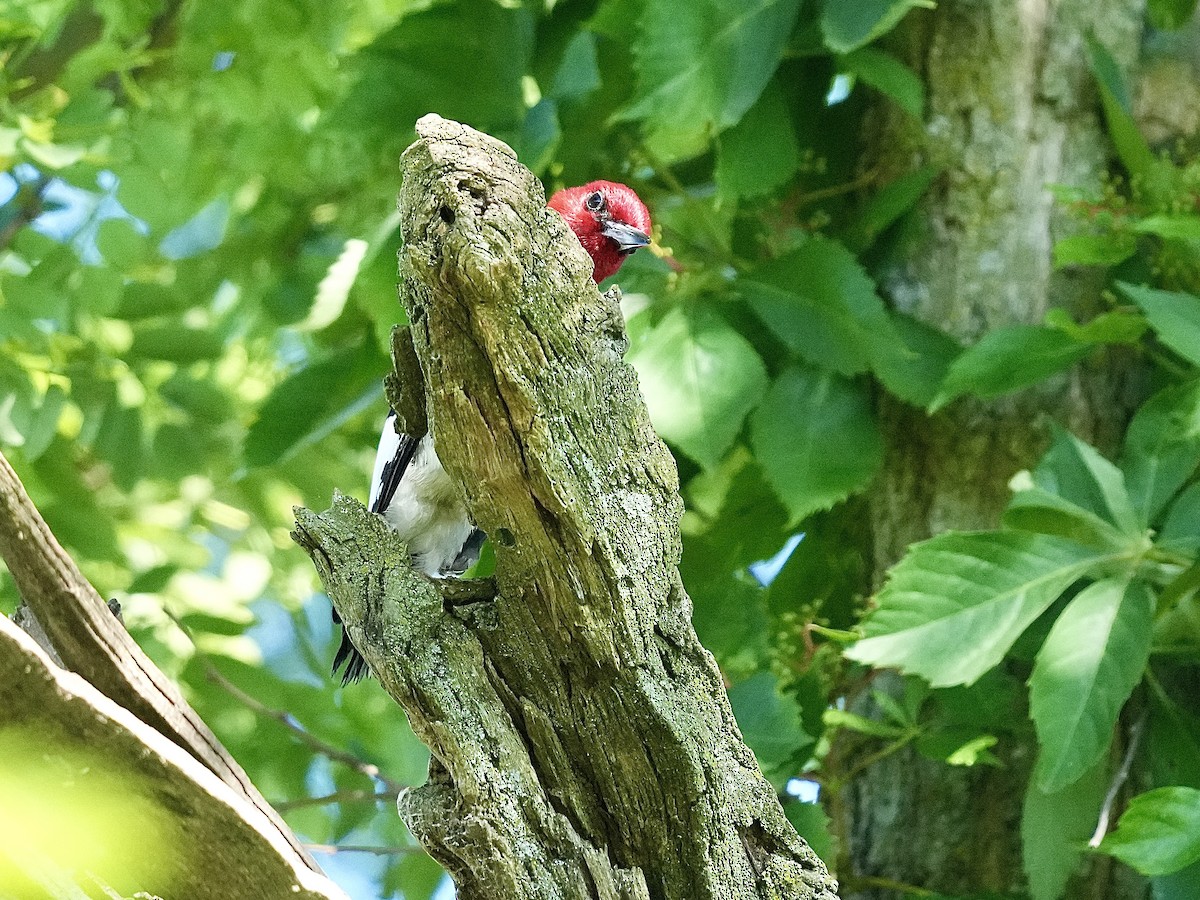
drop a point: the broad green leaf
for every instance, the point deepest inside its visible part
(806, 415)
(578, 74)
(821, 303)
(955, 603)
(1155, 176)
(1094, 249)
(1007, 359)
(812, 824)
(1115, 327)
(759, 153)
(1076, 471)
(1055, 827)
(847, 26)
(1172, 227)
(1159, 832)
(911, 359)
(406, 72)
(1174, 315)
(1171, 13)
(119, 243)
(175, 343)
(701, 64)
(1162, 447)
(1038, 510)
(770, 723)
(1180, 532)
(889, 76)
(896, 198)
(310, 403)
(700, 379)
(1181, 885)
(1087, 668)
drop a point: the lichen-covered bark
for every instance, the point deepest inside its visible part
(1011, 111)
(583, 745)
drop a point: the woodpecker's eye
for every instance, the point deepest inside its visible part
(595, 201)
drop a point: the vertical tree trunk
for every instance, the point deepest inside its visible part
(1011, 110)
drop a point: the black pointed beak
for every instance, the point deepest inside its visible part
(626, 237)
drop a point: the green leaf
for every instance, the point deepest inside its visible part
(578, 74)
(701, 64)
(121, 246)
(1167, 14)
(821, 303)
(1086, 670)
(812, 824)
(1007, 359)
(1171, 227)
(1181, 885)
(175, 343)
(1181, 529)
(406, 72)
(1174, 315)
(1159, 832)
(1116, 327)
(847, 26)
(840, 718)
(912, 358)
(955, 603)
(700, 379)
(760, 152)
(1076, 472)
(309, 404)
(1054, 828)
(805, 414)
(1094, 249)
(889, 76)
(896, 198)
(770, 723)
(1155, 176)
(1162, 447)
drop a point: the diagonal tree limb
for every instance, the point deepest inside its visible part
(171, 827)
(583, 745)
(89, 640)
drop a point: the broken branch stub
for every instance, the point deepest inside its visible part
(583, 744)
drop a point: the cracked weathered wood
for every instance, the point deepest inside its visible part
(583, 745)
(172, 828)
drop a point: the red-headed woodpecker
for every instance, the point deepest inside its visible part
(409, 487)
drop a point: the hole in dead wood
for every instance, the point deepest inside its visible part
(506, 537)
(447, 215)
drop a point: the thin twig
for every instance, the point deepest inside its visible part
(336, 797)
(288, 721)
(855, 882)
(360, 848)
(1135, 738)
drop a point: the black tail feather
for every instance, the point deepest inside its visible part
(348, 655)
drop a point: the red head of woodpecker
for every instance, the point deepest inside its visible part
(608, 218)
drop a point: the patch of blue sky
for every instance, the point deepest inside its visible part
(767, 570)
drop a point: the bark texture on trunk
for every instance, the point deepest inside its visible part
(1011, 110)
(583, 745)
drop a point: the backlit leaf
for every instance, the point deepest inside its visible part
(701, 64)
(955, 603)
(1091, 661)
(700, 379)
(1159, 832)
(816, 439)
